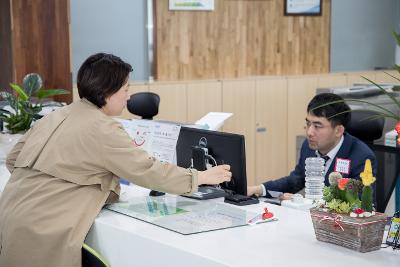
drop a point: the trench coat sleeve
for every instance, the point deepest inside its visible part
(125, 160)
(13, 155)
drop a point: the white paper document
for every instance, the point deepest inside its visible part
(156, 138)
(213, 120)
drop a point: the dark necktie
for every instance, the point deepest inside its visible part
(326, 158)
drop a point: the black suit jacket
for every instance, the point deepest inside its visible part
(352, 148)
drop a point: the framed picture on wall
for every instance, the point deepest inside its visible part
(303, 7)
(199, 5)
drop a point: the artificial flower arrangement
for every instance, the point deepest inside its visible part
(342, 196)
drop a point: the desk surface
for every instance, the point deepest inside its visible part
(125, 241)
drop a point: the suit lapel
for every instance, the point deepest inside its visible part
(344, 152)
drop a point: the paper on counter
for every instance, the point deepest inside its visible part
(214, 120)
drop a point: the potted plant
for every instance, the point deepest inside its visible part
(25, 103)
(24, 107)
(345, 218)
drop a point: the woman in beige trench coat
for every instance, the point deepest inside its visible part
(67, 166)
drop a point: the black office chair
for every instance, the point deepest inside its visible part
(91, 258)
(145, 105)
(365, 125)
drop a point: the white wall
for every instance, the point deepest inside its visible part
(116, 27)
(361, 34)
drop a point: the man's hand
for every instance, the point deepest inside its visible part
(286, 196)
(254, 190)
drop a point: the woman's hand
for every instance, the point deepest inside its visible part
(215, 175)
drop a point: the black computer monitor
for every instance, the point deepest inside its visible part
(225, 148)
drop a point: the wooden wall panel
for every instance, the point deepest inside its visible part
(203, 97)
(173, 101)
(240, 38)
(300, 91)
(271, 115)
(40, 42)
(238, 97)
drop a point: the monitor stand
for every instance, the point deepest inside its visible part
(208, 192)
(154, 193)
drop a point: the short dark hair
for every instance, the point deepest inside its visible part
(336, 113)
(100, 76)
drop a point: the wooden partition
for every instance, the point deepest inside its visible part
(271, 129)
(269, 111)
(203, 97)
(238, 97)
(239, 38)
(173, 103)
(300, 91)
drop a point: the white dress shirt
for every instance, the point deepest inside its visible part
(331, 154)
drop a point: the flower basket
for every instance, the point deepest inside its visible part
(361, 234)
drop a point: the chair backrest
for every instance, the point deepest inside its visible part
(144, 104)
(365, 125)
(91, 258)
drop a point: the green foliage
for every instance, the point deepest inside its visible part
(334, 192)
(339, 206)
(343, 201)
(327, 194)
(366, 198)
(21, 102)
(356, 204)
(352, 190)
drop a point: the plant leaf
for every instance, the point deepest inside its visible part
(2, 111)
(394, 77)
(32, 82)
(397, 67)
(10, 99)
(21, 93)
(397, 37)
(42, 93)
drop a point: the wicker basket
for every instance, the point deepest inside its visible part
(361, 234)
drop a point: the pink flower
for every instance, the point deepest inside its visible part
(342, 183)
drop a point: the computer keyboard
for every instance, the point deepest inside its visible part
(208, 192)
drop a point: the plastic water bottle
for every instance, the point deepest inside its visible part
(315, 176)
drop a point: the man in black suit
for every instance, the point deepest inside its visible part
(326, 138)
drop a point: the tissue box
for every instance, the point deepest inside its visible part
(390, 138)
